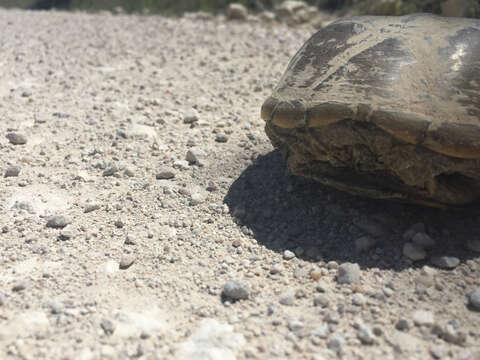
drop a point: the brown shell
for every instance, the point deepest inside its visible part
(416, 78)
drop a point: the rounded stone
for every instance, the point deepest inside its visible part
(235, 290)
(474, 299)
(348, 273)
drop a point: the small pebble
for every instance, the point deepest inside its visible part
(165, 173)
(110, 170)
(130, 239)
(414, 252)
(445, 262)
(190, 116)
(107, 326)
(119, 224)
(365, 335)
(322, 331)
(19, 286)
(348, 273)
(402, 324)
(358, 299)
(126, 261)
(321, 300)
(423, 318)
(235, 290)
(288, 255)
(91, 206)
(276, 269)
(336, 343)
(287, 298)
(221, 138)
(16, 138)
(58, 222)
(196, 156)
(12, 171)
(474, 299)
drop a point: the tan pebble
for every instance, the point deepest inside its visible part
(315, 274)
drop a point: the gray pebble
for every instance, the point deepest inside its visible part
(276, 269)
(119, 224)
(287, 298)
(58, 221)
(438, 351)
(321, 300)
(322, 331)
(452, 335)
(110, 170)
(197, 198)
(364, 243)
(423, 240)
(288, 255)
(221, 138)
(402, 324)
(321, 286)
(190, 116)
(129, 172)
(474, 299)
(165, 173)
(196, 156)
(107, 326)
(358, 299)
(348, 273)
(235, 290)
(365, 335)
(126, 261)
(19, 286)
(91, 206)
(12, 171)
(16, 138)
(414, 252)
(445, 262)
(336, 343)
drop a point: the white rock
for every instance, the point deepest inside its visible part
(423, 318)
(212, 341)
(26, 324)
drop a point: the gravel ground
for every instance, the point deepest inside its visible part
(145, 214)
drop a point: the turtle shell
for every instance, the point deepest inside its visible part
(386, 107)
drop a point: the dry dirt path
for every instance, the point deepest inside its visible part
(137, 180)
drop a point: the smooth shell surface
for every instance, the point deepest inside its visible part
(385, 107)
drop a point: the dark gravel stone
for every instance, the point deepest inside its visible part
(58, 221)
(16, 138)
(12, 171)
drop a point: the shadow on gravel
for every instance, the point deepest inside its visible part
(282, 211)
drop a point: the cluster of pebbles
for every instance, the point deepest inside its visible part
(145, 214)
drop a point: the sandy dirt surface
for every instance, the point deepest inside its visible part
(137, 180)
